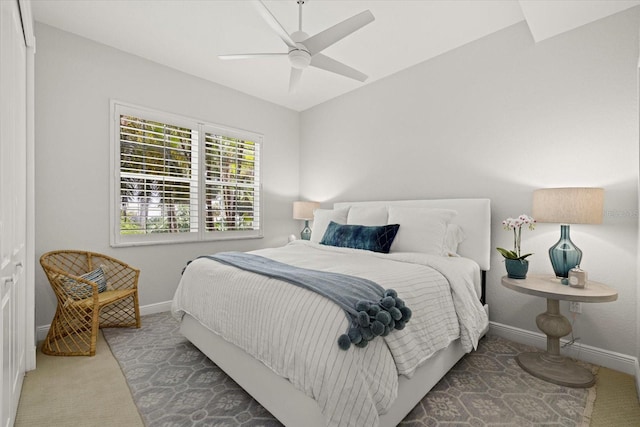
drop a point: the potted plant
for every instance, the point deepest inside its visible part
(516, 263)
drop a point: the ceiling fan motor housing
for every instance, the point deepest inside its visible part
(299, 58)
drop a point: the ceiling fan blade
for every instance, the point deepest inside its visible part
(250, 55)
(294, 79)
(274, 24)
(326, 38)
(328, 64)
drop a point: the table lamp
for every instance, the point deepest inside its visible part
(304, 211)
(567, 206)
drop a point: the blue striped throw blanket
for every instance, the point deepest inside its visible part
(372, 310)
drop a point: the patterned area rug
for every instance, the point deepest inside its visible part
(173, 384)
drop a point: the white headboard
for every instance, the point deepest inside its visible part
(474, 216)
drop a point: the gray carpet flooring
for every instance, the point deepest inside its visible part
(174, 384)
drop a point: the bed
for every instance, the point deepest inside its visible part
(278, 341)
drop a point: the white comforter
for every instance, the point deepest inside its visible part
(294, 331)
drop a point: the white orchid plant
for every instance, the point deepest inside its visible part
(516, 225)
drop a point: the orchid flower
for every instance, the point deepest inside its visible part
(516, 225)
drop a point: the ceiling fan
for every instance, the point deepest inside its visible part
(304, 51)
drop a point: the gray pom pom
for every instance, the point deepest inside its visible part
(383, 317)
(377, 328)
(363, 319)
(344, 342)
(399, 302)
(406, 313)
(373, 310)
(400, 325)
(388, 302)
(362, 305)
(362, 344)
(354, 335)
(390, 293)
(367, 335)
(392, 324)
(395, 313)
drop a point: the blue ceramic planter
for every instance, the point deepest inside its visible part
(517, 268)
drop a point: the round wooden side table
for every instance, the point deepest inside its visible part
(550, 365)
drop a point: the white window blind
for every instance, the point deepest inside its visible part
(177, 179)
(232, 190)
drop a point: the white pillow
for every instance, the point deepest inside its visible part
(452, 238)
(360, 215)
(322, 218)
(421, 229)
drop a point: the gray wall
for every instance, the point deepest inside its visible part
(498, 118)
(75, 79)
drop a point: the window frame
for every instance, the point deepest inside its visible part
(118, 108)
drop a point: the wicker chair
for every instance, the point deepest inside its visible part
(93, 291)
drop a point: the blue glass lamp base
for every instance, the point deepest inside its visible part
(305, 234)
(564, 254)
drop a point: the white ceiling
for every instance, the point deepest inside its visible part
(188, 35)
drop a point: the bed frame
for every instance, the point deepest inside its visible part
(294, 408)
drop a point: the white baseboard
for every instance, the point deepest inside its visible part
(41, 332)
(30, 364)
(160, 307)
(638, 379)
(608, 359)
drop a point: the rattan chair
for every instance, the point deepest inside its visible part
(93, 291)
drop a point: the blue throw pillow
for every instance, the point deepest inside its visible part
(370, 238)
(78, 290)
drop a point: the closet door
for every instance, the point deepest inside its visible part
(13, 188)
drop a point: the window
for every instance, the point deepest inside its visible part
(181, 180)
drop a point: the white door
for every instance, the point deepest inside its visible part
(13, 190)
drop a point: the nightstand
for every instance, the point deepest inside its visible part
(550, 365)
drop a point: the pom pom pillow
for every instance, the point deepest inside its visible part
(422, 230)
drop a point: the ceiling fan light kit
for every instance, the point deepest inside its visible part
(299, 58)
(304, 51)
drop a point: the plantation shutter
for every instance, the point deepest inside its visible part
(179, 180)
(232, 183)
(158, 177)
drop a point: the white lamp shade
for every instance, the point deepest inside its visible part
(577, 205)
(304, 210)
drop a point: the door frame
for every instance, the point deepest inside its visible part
(30, 259)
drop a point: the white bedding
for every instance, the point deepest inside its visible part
(294, 331)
